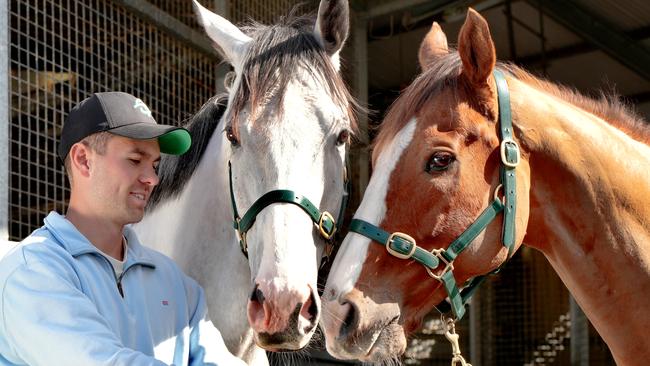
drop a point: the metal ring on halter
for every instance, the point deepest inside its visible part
(449, 266)
(496, 192)
(321, 228)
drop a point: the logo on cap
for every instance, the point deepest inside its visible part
(139, 105)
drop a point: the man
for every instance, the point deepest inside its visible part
(82, 290)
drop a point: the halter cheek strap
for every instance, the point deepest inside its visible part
(327, 225)
(405, 247)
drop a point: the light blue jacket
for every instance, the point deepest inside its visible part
(60, 305)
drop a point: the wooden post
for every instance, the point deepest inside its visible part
(359, 153)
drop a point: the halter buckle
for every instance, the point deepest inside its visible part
(449, 265)
(504, 158)
(323, 231)
(404, 237)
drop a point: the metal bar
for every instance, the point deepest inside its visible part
(169, 25)
(511, 33)
(359, 154)
(428, 10)
(475, 336)
(431, 8)
(526, 27)
(578, 48)
(579, 335)
(4, 120)
(222, 7)
(476, 5)
(599, 32)
(542, 39)
(391, 7)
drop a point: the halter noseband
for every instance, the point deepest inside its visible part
(327, 225)
(403, 246)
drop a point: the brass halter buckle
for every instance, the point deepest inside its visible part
(504, 158)
(449, 266)
(404, 237)
(321, 228)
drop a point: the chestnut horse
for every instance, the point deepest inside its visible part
(573, 173)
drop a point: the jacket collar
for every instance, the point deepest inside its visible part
(75, 243)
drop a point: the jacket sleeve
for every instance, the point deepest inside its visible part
(47, 320)
(206, 344)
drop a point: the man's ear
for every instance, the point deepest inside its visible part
(80, 159)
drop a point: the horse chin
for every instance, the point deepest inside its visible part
(283, 342)
(376, 344)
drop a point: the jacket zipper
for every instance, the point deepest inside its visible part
(119, 288)
(118, 280)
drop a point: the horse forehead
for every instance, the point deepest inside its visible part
(305, 117)
(309, 94)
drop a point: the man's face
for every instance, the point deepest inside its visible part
(122, 179)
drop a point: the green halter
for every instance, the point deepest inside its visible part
(327, 225)
(404, 247)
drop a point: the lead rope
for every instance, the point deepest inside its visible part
(452, 337)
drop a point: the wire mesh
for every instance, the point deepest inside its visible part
(182, 10)
(61, 52)
(240, 11)
(267, 12)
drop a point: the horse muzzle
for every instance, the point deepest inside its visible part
(283, 320)
(357, 328)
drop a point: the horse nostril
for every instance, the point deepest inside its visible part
(351, 319)
(257, 295)
(312, 310)
(308, 318)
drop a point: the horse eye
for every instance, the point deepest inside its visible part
(439, 161)
(230, 135)
(344, 138)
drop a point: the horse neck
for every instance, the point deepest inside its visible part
(200, 213)
(590, 213)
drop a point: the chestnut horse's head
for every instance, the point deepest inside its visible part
(437, 165)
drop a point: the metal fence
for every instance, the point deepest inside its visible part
(62, 51)
(237, 11)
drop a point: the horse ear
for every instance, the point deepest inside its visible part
(433, 46)
(332, 27)
(476, 49)
(229, 41)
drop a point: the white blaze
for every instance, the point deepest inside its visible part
(349, 260)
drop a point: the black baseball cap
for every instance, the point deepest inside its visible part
(120, 114)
